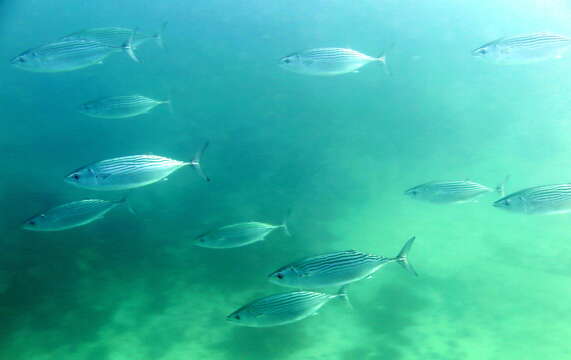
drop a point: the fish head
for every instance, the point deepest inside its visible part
(82, 177)
(28, 60)
(285, 276)
(34, 223)
(243, 317)
(203, 240)
(487, 51)
(510, 203)
(414, 192)
(87, 108)
(291, 62)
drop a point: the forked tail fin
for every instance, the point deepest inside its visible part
(159, 35)
(342, 293)
(402, 257)
(383, 60)
(125, 201)
(196, 162)
(501, 188)
(284, 223)
(128, 47)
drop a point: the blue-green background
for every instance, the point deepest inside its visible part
(339, 151)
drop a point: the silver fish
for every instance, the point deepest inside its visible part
(237, 235)
(67, 56)
(71, 215)
(130, 172)
(120, 107)
(336, 269)
(281, 309)
(446, 192)
(328, 61)
(524, 49)
(538, 200)
(116, 36)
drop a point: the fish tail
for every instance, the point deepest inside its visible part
(125, 201)
(501, 188)
(128, 46)
(159, 35)
(402, 257)
(342, 293)
(284, 223)
(382, 58)
(196, 162)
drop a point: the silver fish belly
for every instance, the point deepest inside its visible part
(538, 200)
(327, 61)
(71, 215)
(524, 49)
(119, 107)
(63, 56)
(336, 269)
(444, 192)
(235, 235)
(280, 309)
(130, 172)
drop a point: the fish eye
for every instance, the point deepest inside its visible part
(32, 222)
(287, 60)
(280, 276)
(237, 317)
(21, 59)
(75, 176)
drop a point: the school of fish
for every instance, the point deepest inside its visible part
(338, 269)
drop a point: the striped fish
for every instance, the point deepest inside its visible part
(538, 200)
(67, 55)
(237, 235)
(120, 107)
(130, 172)
(524, 49)
(328, 61)
(446, 192)
(116, 36)
(281, 309)
(71, 215)
(336, 269)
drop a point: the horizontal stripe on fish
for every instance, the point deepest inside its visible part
(327, 61)
(336, 268)
(524, 49)
(118, 107)
(544, 199)
(71, 215)
(130, 172)
(281, 309)
(453, 191)
(335, 262)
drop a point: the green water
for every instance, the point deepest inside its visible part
(339, 151)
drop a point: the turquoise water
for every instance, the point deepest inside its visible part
(339, 151)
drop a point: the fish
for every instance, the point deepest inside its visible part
(338, 268)
(524, 49)
(68, 55)
(453, 191)
(72, 215)
(116, 36)
(120, 107)
(538, 200)
(328, 61)
(282, 309)
(237, 235)
(130, 172)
